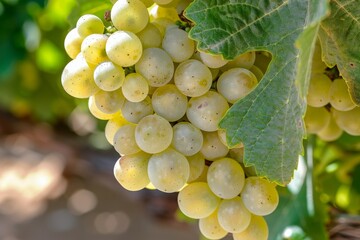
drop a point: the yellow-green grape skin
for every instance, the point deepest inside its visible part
(124, 140)
(93, 49)
(348, 120)
(162, 2)
(72, 43)
(135, 111)
(318, 65)
(170, 13)
(316, 119)
(257, 230)
(212, 147)
(259, 196)
(135, 87)
(331, 132)
(131, 171)
(196, 200)
(168, 170)
(150, 36)
(197, 165)
(124, 48)
(262, 60)
(178, 45)
(187, 138)
(257, 72)
(96, 112)
(147, 3)
(319, 88)
(210, 227)
(340, 98)
(245, 60)
(226, 178)
(162, 24)
(233, 216)
(89, 24)
(109, 102)
(153, 134)
(129, 15)
(77, 79)
(212, 61)
(222, 136)
(108, 76)
(113, 125)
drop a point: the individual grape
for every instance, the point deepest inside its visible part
(108, 76)
(212, 147)
(109, 102)
(257, 72)
(206, 111)
(222, 137)
(178, 45)
(164, 12)
(77, 79)
(129, 15)
(135, 87)
(150, 36)
(316, 119)
(318, 65)
(210, 227)
(196, 200)
(187, 138)
(348, 120)
(233, 216)
(93, 49)
(169, 102)
(131, 171)
(245, 60)
(162, 2)
(89, 24)
(168, 170)
(135, 111)
(257, 230)
(72, 43)
(124, 140)
(318, 93)
(340, 98)
(238, 155)
(193, 78)
(236, 83)
(96, 112)
(153, 134)
(262, 60)
(213, 61)
(156, 66)
(123, 48)
(197, 165)
(113, 125)
(331, 132)
(226, 178)
(147, 3)
(162, 24)
(259, 196)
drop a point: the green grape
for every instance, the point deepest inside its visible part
(259, 196)
(131, 171)
(150, 36)
(77, 79)
(135, 111)
(162, 24)
(93, 49)
(318, 66)
(197, 165)
(96, 112)
(124, 140)
(135, 87)
(212, 147)
(257, 72)
(196, 200)
(168, 170)
(109, 102)
(331, 132)
(153, 134)
(123, 48)
(72, 43)
(178, 45)
(245, 60)
(348, 120)
(262, 60)
(206, 111)
(340, 98)
(156, 66)
(113, 125)
(210, 227)
(233, 216)
(147, 3)
(108, 76)
(187, 138)
(318, 93)
(169, 102)
(257, 230)
(162, 2)
(212, 61)
(226, 178)
(129, 15)
(316, 119)
(170, 13)
(222, 137)
(236, 83)
(193, 78)
(89, 24)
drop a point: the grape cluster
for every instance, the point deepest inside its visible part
(330, 110)
(163, 101)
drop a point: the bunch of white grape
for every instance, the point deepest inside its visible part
(330, 109)
(163, 101)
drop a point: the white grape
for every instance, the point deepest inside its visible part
(135, 111)
(245, 60)
(331, 132)
(187, 138)
(197, 165)
(150, 36)
(340, 98)
(113, 125)
(213, 61)
(212, 147)
(109, 102)
(72, 43)
(108, 76)
(222, 136)
(93, 49)
(319, 88)
(135, 87)
(89, 24)
(170, 13)
(316, 119)
(210, 227)
(96, 112)
(124, 140)
(348, 120)
(178, 45)
(257, 230)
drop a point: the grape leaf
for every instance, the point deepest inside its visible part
(269, 120)
(339, 36)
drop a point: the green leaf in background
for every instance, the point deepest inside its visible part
(339, 36)
(269, 120)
